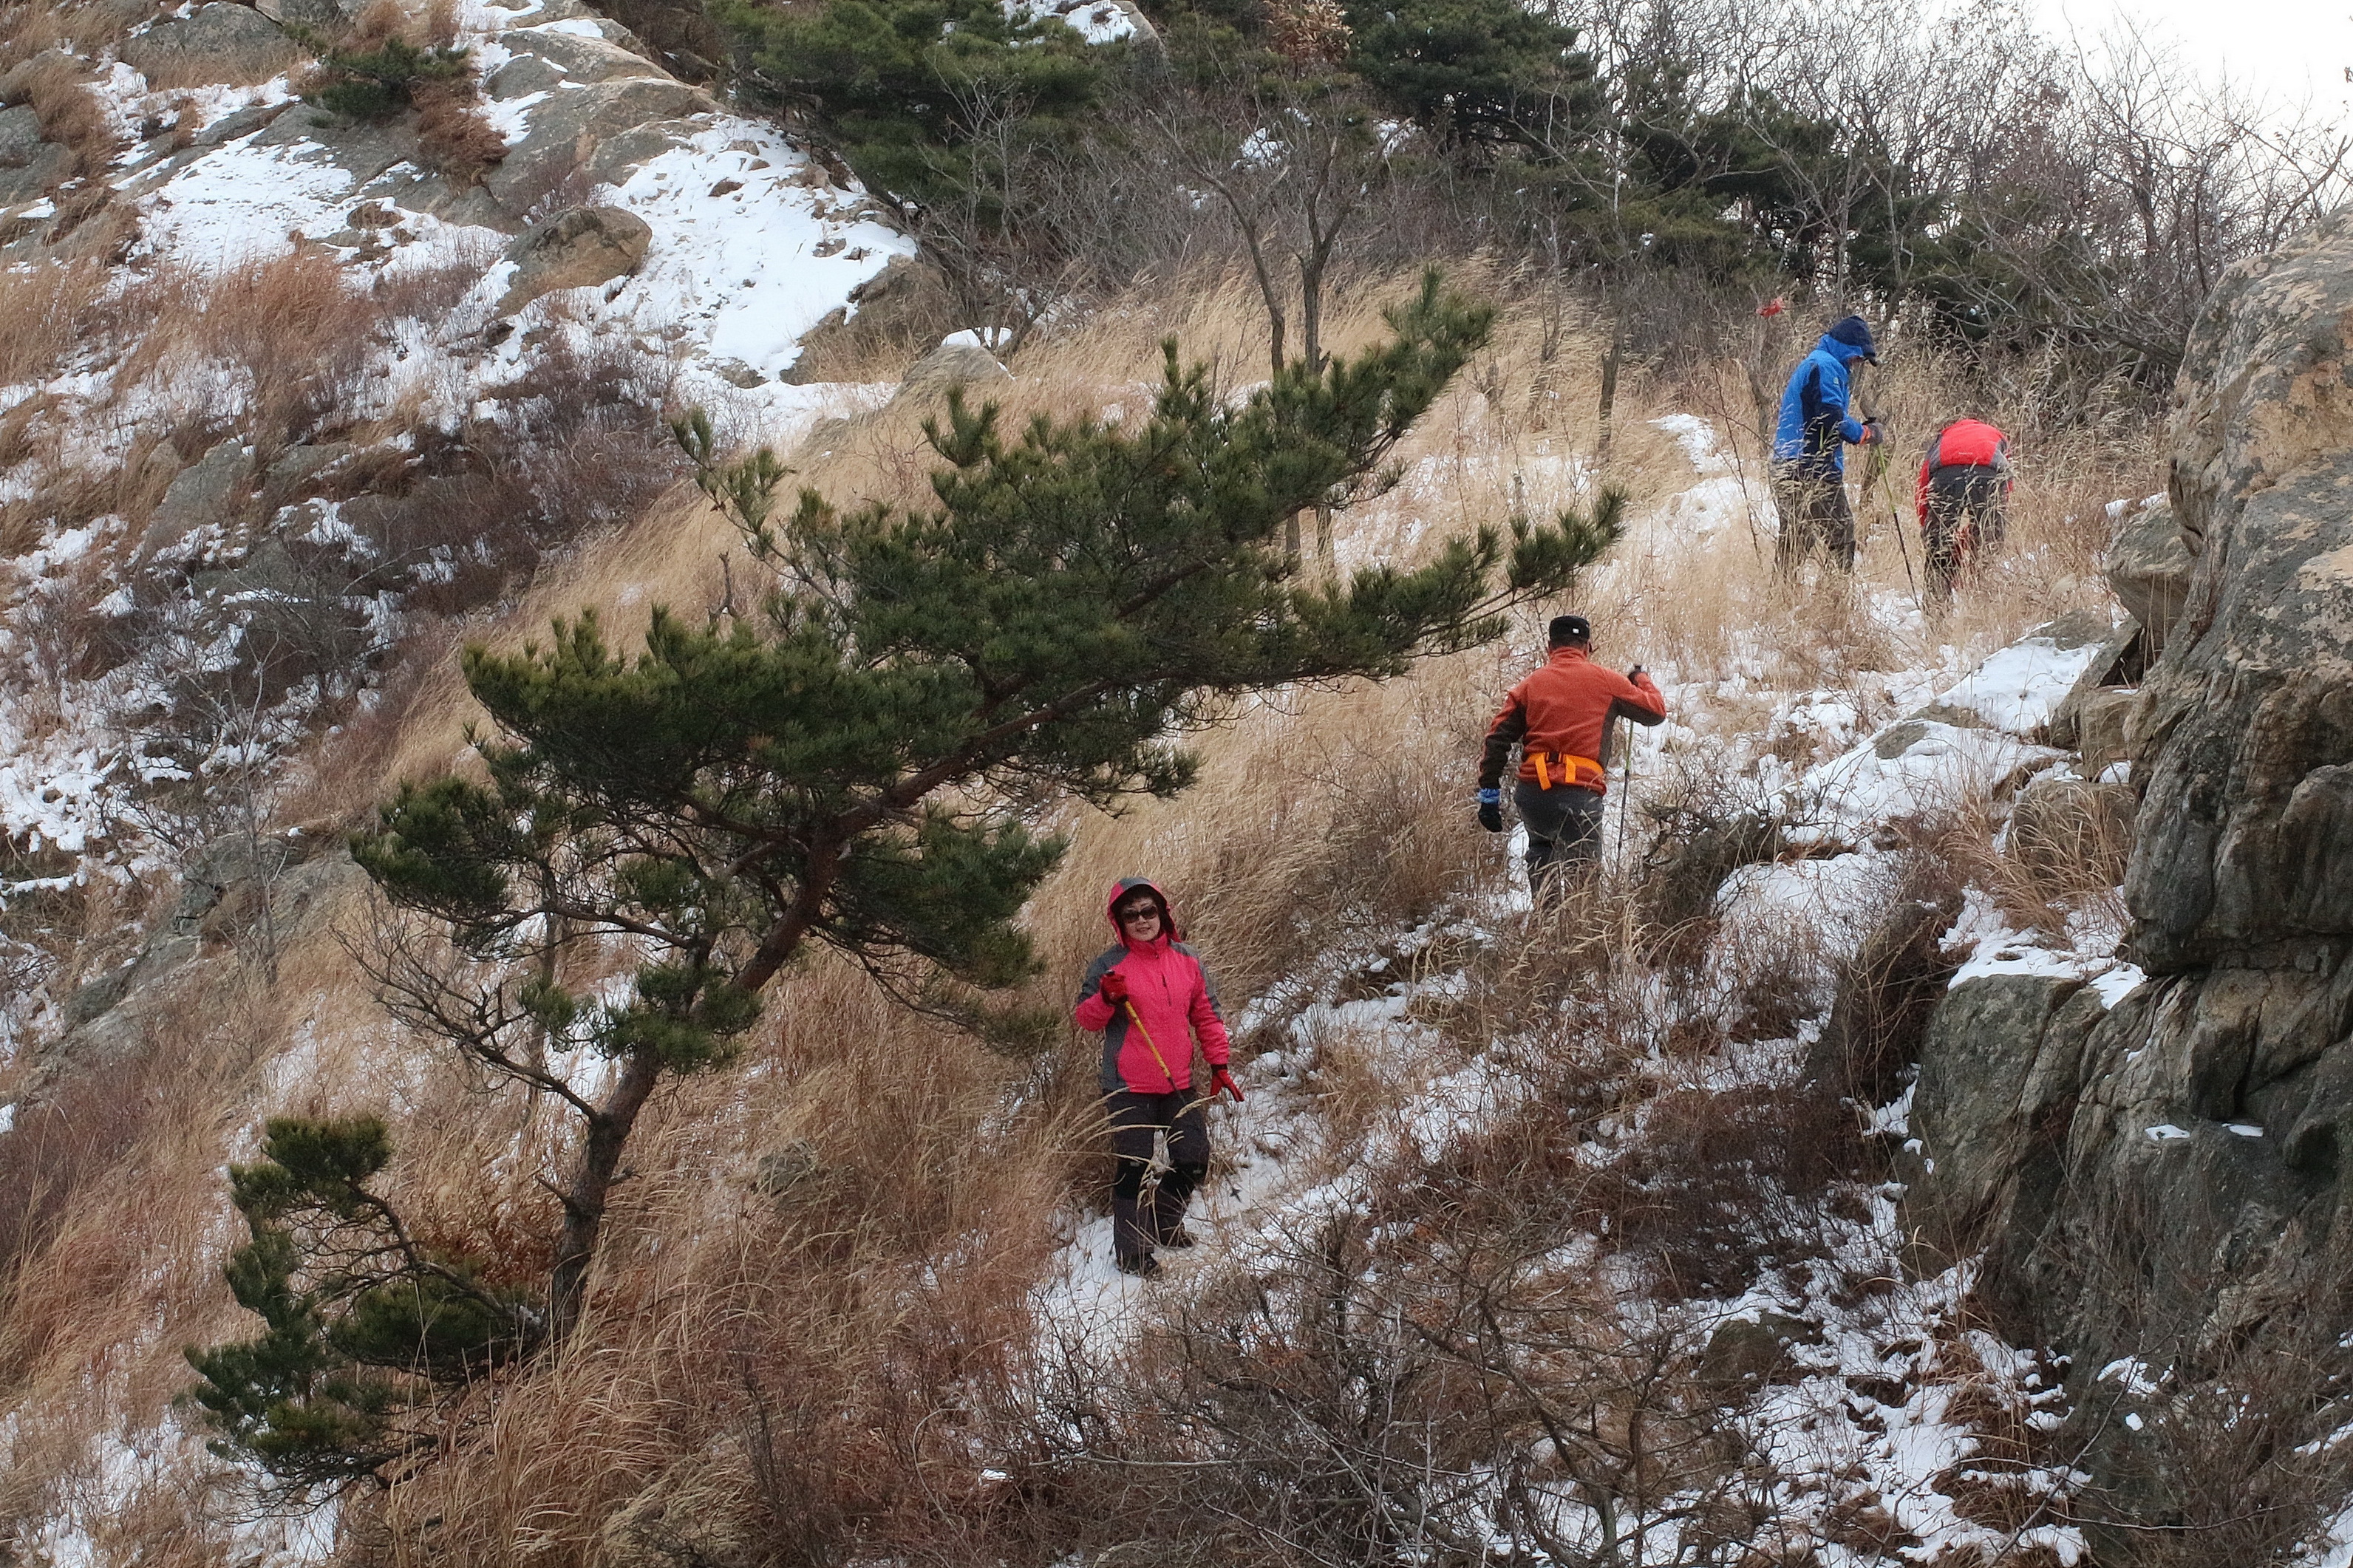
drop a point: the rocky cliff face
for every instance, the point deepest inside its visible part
(2165, 1179)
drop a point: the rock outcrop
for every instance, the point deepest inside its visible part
(574, 250)
(218, 40)
(952, 365)
(2148, 567)
(2166, 1176)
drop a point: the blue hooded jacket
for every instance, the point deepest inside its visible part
(1814, 418)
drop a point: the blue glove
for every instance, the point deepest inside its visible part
(1491, 810)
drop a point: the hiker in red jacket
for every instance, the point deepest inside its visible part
(1962, 499)
(1560, 717)
(1151, 998)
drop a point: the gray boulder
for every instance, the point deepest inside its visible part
(2103, 722)
(2170, 1177)
(2122, 661)
(949, 366)
(365, 149)
(574, 250)
(215, 493)
(219, 42)
(2148, 568)
(1998, 1074)
(20, 136)
(320, 16)
(578, 58)
(298, 878)
(568, 131)
(292, 474)
(28, 165)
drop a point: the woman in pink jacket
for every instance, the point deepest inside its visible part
(1151, 998)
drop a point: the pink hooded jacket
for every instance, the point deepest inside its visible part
(1173, 997)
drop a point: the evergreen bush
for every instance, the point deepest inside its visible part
(377, 83)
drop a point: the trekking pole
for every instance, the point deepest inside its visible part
(1902, 546)
(1625, 797)
(1878, 465)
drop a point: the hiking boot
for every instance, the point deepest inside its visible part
(1131, 1242)
(1169, 1200)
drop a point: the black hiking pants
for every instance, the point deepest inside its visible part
(1814, 516)
(1564, 826)
(1138, 1225)
(1968, 511)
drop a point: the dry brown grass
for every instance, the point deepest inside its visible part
(453, 134)
(58, 86)
(87, 29)
(124, 1274)
(41, 307)
(292, 328)
(2057, 856)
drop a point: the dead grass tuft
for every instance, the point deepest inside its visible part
(58, 86)
(453, 133)
(299, 335)
(42, 307)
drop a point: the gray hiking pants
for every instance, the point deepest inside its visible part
(1814, 516)
(1564, 826)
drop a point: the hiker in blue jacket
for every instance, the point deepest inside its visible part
(1809, 458)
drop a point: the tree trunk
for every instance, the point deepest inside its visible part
(1311, 310)
(592, 1184)
(1610, 388)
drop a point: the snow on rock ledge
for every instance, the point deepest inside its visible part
(753, 242)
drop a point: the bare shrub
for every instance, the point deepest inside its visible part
(1888, 989)
(1360, 1399)
(578, 445)
(2209, 1417)
(64, 634)
(1706, 822)
(427, 293)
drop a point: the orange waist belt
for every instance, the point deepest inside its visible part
(1568, 767)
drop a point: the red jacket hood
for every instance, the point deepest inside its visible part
(1127, 885)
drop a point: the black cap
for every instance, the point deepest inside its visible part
(1569, 628)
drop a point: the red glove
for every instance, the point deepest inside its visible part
(1220, 1079)
(1113, 986)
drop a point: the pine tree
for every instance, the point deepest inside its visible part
(367, 1334)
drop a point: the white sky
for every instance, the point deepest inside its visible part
(2291, 50)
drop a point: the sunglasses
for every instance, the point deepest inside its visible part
(1141, 913)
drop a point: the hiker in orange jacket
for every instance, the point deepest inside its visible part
(1560, 717)
(1151, 997)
